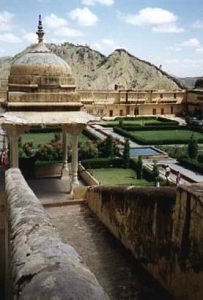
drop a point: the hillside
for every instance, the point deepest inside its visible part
(93, 70)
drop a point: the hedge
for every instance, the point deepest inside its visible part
(163, 121)
(156, 126)
(146, 118)
(39, 129)
(90, 135)
(96, 163)
(142, 141)
(137, 118)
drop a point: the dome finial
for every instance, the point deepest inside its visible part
(40, 31)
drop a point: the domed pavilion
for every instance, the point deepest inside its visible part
(42, 91)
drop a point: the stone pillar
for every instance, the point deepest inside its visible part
(75, 130)
(14, 132)
(75, 181)
(65, 170)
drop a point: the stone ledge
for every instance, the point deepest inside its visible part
(41, 264)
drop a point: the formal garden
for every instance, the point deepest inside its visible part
(105, 159)
(167, 135)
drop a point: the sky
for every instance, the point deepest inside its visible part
(164, 32)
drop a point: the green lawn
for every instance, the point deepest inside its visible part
(44, 138)
(38, 138)
(118, 176)
(161, 136)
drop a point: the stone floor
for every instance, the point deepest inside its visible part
(51, 190)
(116, 270)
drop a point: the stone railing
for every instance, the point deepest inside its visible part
(86, 176)
(42, 266)
(162, 228)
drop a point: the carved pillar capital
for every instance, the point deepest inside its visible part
(14, 131)
(75, 129)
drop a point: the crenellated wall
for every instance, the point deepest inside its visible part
(162, 228)
(42, 266)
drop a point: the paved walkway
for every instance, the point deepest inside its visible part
(118, 273)
(51, 190)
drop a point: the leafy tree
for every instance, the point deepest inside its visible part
(139, 169)
(155, 172)
(87, 149)
(192, 149)
(126, 153)
(106, 147)
(28, 148)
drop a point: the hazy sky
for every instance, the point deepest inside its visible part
(164, 32)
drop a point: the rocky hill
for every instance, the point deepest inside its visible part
(93, 70)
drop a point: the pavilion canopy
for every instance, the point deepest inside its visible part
(46, 118)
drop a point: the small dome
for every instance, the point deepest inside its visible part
(41, 80)
(40, 66)
(40, 63)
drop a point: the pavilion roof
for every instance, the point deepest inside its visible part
(46, 118)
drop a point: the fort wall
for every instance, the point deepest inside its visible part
(162, 228)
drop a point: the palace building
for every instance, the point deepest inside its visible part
(42, 91)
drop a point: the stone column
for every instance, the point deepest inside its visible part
(75, 131)
(65, 170)
(75, 181)
(14, 132)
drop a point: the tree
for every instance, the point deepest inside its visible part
(155, 172)
(139, 169)
(192, 149)
(87, 149)
(106, 148)
(126, 153)
(121, 123)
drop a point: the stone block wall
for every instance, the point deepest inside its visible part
(42, 266)
(162, 228)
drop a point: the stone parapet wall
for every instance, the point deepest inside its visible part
(42, 266)
(86, 176)
(42, 170)
(163, 229)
